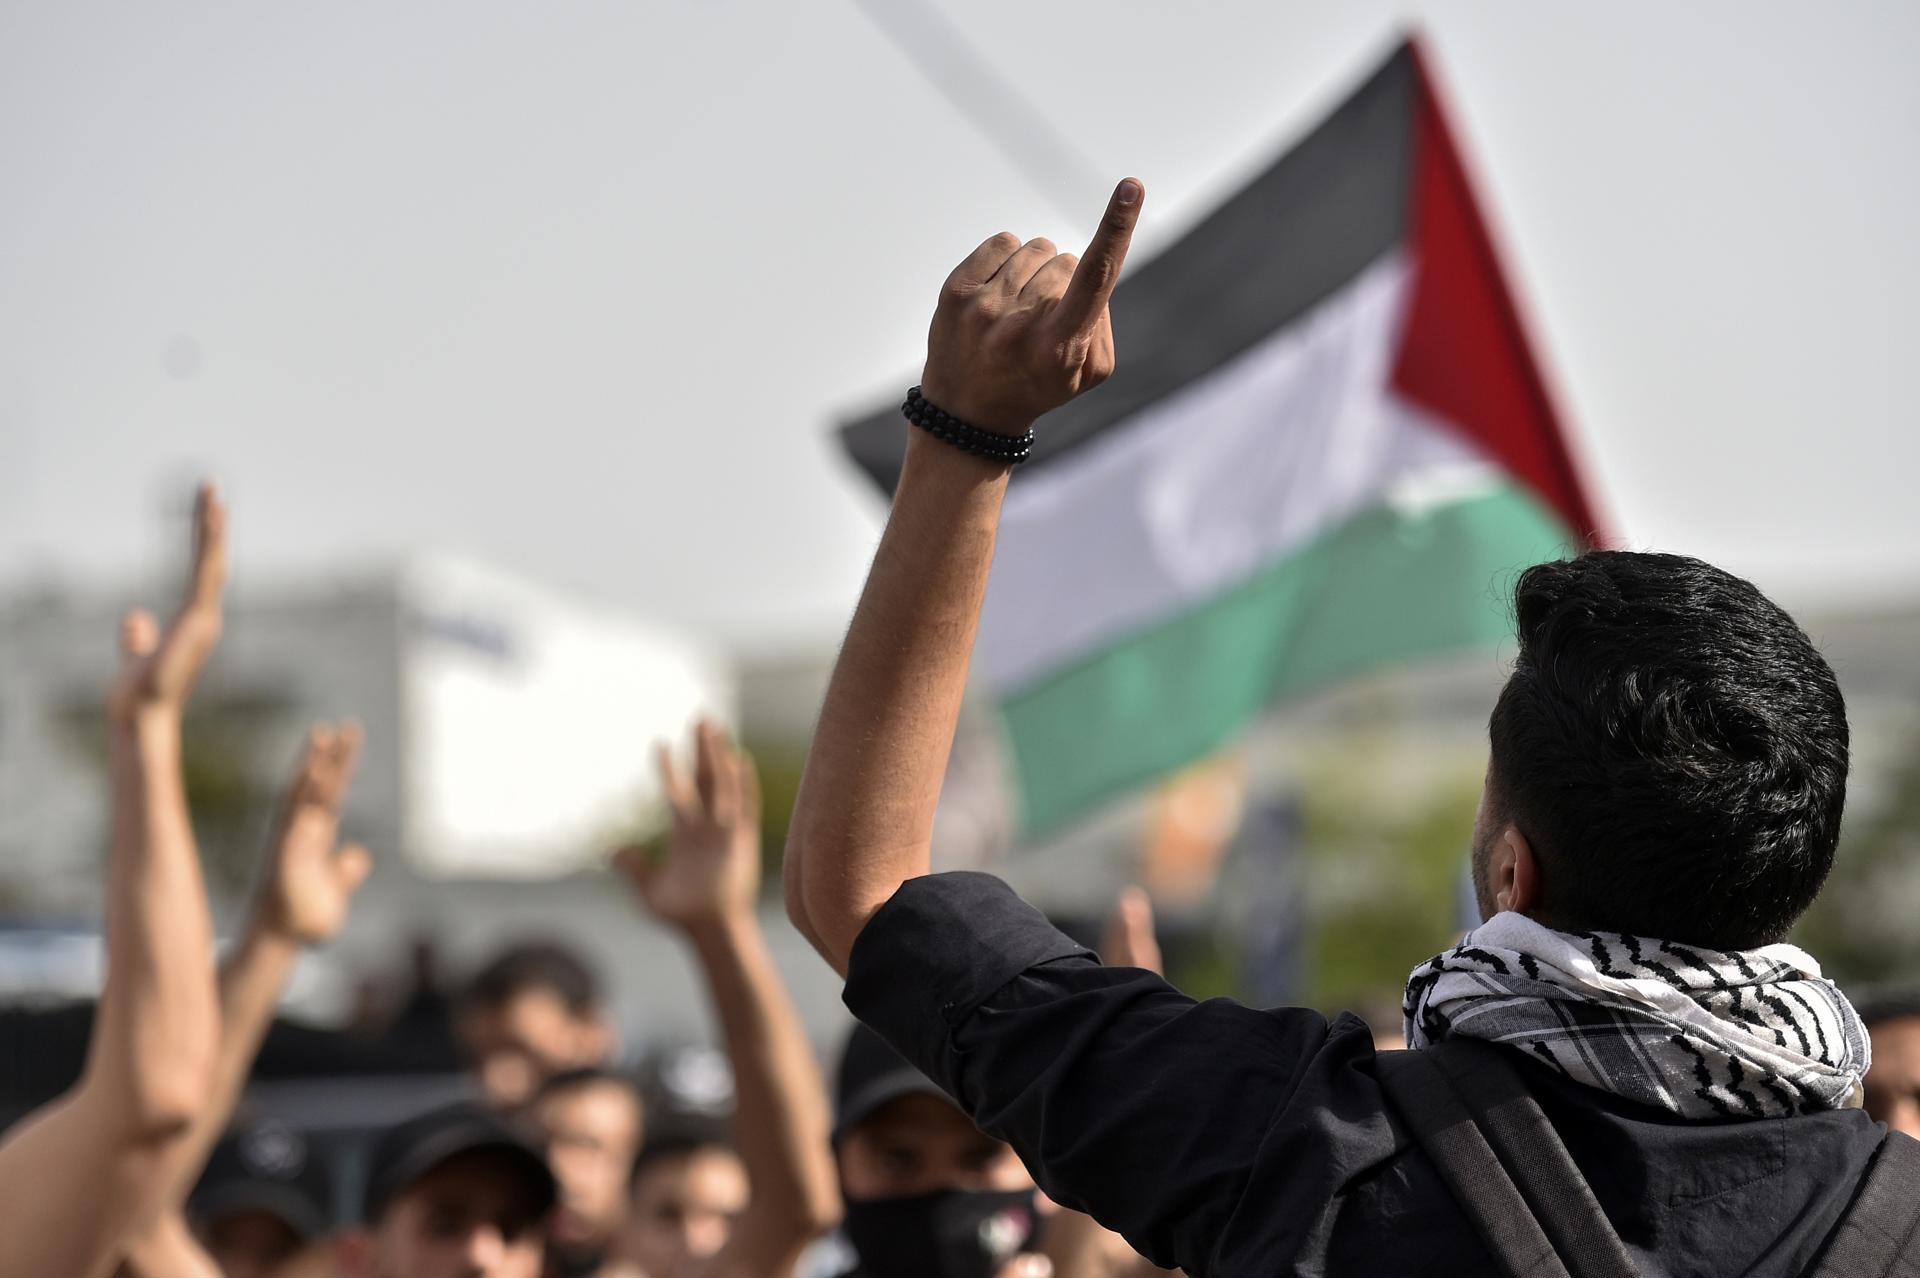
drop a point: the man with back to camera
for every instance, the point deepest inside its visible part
(1663, 800)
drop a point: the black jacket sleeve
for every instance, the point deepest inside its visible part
(1205, 1132)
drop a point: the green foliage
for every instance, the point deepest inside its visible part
(1381, 874)
(230, 783)
(780, 768)
(1202, 964)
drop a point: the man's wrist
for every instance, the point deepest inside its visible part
(724, 928)
(1001, 421)
(146, 728)
(269, 934)
(924, 451)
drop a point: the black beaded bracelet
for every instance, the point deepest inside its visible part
(948, 429)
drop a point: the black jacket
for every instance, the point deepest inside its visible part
(1231, 1141)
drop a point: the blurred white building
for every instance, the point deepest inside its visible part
(508, 731)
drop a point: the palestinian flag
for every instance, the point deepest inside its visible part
(1327, 449)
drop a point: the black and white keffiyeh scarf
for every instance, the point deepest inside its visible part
(1702, 1033)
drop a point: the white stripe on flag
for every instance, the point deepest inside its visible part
(1215, 483)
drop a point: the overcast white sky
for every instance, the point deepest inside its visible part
(579, 287)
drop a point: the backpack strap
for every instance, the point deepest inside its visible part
(1879, 1237)
(1472, 1114)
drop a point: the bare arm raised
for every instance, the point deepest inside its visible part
(306, 884)
(78, 1177)
(1019, 331)
(707, 886)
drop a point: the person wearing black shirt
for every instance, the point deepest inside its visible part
(927, 1192)
(1668, 771)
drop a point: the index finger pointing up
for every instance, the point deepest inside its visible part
(1099, 271)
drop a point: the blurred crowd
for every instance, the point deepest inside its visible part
(553, 1160)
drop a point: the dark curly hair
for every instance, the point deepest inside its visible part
(534, 965)
(1673, 747)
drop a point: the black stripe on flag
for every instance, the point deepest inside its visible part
(1327, 209)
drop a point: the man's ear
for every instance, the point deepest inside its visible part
(1516, 873)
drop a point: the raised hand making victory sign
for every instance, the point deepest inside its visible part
(707, 887)
(711, 869)
(309, 880)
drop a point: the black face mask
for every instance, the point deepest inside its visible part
(952, 1233)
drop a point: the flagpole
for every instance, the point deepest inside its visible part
(991, 102)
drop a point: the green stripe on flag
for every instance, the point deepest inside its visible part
(1383, 587)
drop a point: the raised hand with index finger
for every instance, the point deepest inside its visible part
(1022, 328)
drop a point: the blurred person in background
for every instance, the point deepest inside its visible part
(259, 1203)
(704, 1210)
(79, 1175)
(452, 1193)
(1893, 1082)
(1668, 772)
(689, 1190)
(927, 1192)
(535, 1010)
(591, 1122)
(423, 1024)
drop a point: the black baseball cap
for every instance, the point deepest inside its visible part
(269, 1168)
(411, 1149)
(872, 1076)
